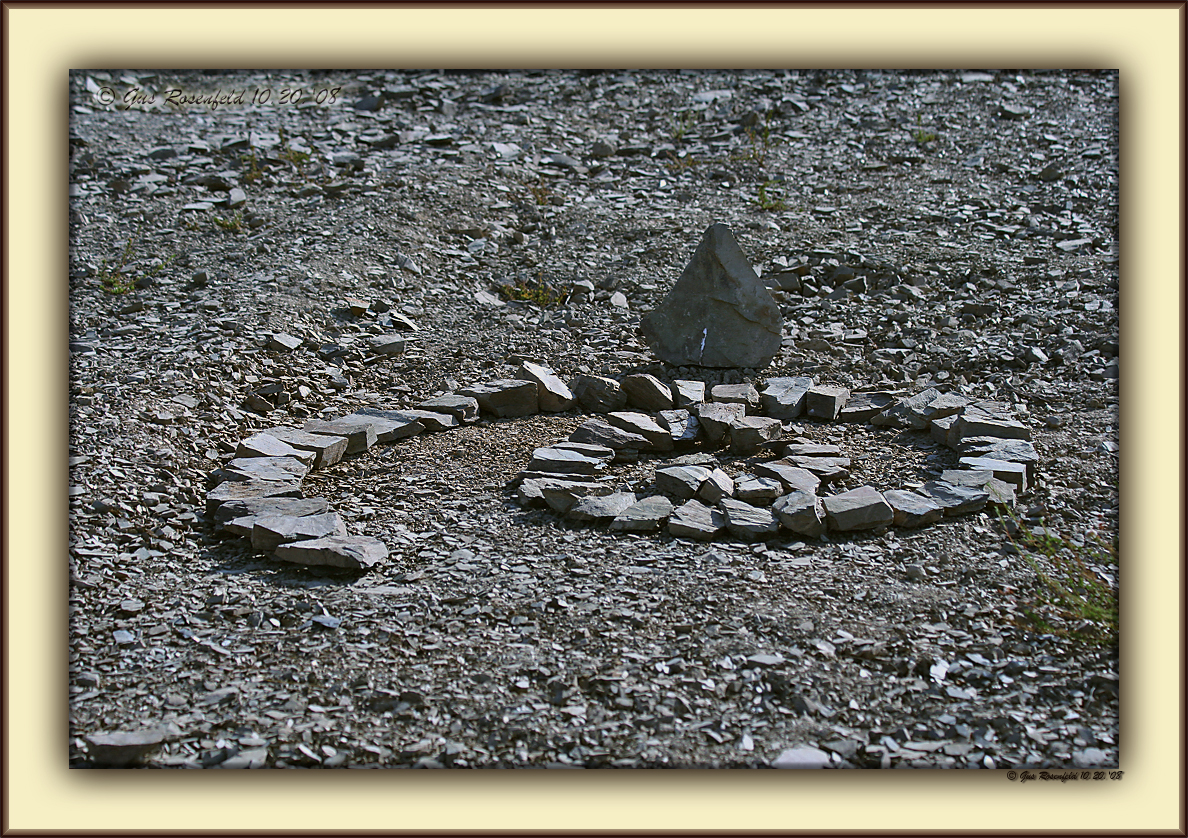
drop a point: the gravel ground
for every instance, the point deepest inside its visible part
(948, 229)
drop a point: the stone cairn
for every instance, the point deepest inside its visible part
(716, 315)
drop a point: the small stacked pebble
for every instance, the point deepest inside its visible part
(258, 494)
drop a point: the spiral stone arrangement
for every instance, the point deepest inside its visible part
(258, 494)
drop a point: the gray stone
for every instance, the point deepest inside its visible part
(682, 426)
(810, 449)
(824, 402)
(1001, 493)
(239, 516)
(748, 433)
(462, 408)
(268, 533)
(1011, 450)
(646, 515)
(659, 439)
(599, 432)
(902, 414)
(533, 490)
(280, 342)
(943, 431)
(946, 404)
(688, 393)
(697, 521)
(388, 428)
(597, 394)
(417, 419)
(564, 461)
(1013, 473)
(561, 496)
(124, 747)
(327, 450)
(598, 452)
(801, 512)
(647, 393)
(717, 486)
(360, 432)
(863, 407)
(760, 491)
(715, 418)
(554, 396)
(783, 398)
(955, 500)
(912, 510)
(744, 394)
(285, 469)
(718, 314)
(505, 397)
(681, 481)
(979, 421)
(593, 509)
(267, 445)
(826, 468)
(387, 344)
(803, 757)
(748, 522)
(863, 508)
(791, 476)
(352, 552)
(235, 490)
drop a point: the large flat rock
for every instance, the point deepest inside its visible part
(718, 314)
(351, 552)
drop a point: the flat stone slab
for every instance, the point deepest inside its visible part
(801, 512)
(693, 519)
(687, 393)
(913, 510)
(791, 476)
(598, 452)
(270, 532)
(863, 407)
(360, 432)
(863, 508)
(748, 433)
(955, 500)
(647, 515)
(281, 342)
(598, 395)
(758, 491)
(826, 468)
(535, 491)
(505, 397)
(783, 398)
(1013, 473)
(718, 314)
(561, 496)
(641, 424)
(285, 469)
(598, 510)
(565, 461)
(463, 408)
(901, 414)
(1011, 450)
(236, 490)
(682, 426)
(990, 419)
(715, 418)
(748, 522)
(802, 758)
(823, 402)
(681, 481)
(599, 432)
(744, 394)
(267, 445)
(387, 428)
(352, 552)
(717, 486)
(425, 420)
(809, 449)
(327, 450)
(238, 516)
(1001, 492)
(647, 393)
(553, 394)
(122, 748)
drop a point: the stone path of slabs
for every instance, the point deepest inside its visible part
(258, 494)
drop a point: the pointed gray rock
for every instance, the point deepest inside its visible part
(1011, 450)
(535, 491)
(981, 420)
(505, 397)
(759, 491)
(715, 418)
(598, 395)
(904, 413)
(647, 515)
(810, 449)
(352, 552)
(695, 520)
(561, 496)
(659, 439)
(863, 407)
(286, 469)
(718, 485)
(747, 521)
(827, 469)
(411, 422)
(955, 500)
(388, 428)
(863, 508)
(1013, 473)
(267, 445)
(682, 426)
(783, 398)
(269, 533)
(552, 392)
(682, 482)
(912, 510)
(687, 394)
(791, 476)
(647, 393)
(564, 461)
(598, 452)
(801, 512)
(234, 490)
(239, 516)
(599, 432)
(1001, 493)
(718, 314)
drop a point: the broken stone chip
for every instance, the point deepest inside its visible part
(327, 450)
(268, 533)
(693, 519)
(647, 393)
(863, 508)
(646, 515)
(351, 552)
(597, 394)
(801, 512)
(553, 394)
(505, 397)
(360, 431)
(783, 398)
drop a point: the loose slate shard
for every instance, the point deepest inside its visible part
(352, 552)
(718, 314)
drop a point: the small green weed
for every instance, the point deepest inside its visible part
(1069, 591)
(296, 159)
(679, 124)
(232, 224)
(112, 276)
(761, 142)
(680, 164)
(540, 192)
(252, 169)
(770, 203)
(923, 137)
(538, 292)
